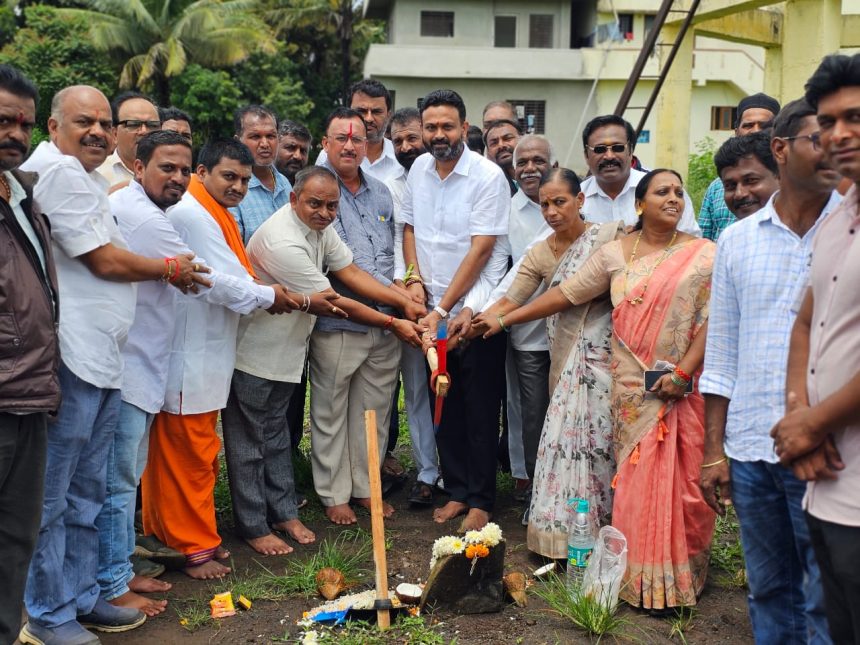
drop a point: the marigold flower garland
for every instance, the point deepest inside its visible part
(474, 545)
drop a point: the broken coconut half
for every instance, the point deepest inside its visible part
(408, 593)
(515, 586)
(544, 570)
(330, 583)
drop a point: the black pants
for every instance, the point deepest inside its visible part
(23, 446)
(469, 432)
(837, 549)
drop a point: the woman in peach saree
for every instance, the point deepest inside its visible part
(659, 282)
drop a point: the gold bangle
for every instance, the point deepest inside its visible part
(714, 463)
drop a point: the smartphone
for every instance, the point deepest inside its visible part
(651, 377)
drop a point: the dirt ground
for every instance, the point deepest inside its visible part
(721, 616)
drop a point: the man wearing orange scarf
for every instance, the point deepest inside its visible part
(179, 480)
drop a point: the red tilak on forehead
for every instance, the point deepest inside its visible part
(350, 130)
(20, 118)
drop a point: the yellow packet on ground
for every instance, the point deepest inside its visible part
(222, 605)
(243, 602)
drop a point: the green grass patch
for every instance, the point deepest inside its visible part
(193, 613)
(585, 612)
(407, 630)
(348, 553)
(727, 553)
(681, 623)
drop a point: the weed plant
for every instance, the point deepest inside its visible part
(408, 630)
(726, 552)
(584, 611)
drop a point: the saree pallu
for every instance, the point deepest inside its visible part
(659, 446)
(574, 456)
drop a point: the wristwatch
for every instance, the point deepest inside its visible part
(442, 313)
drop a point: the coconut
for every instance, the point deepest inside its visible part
(540, 573)
(408, 594)
(330, 583)
(515, 585)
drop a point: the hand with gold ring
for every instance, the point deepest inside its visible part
(323, 304)
(190, 274)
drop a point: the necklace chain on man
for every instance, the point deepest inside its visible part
(638, 299)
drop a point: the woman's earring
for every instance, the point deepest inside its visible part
(638, 212)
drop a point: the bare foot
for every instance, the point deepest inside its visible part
(221, 553)
(448, 512)
(296, 530)
(364, 502)
(142, 584)
(340, 514)
(269, 545)
(210, 570)
(146, 605)
(475, 520)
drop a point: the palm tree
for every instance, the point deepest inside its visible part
(158, 38)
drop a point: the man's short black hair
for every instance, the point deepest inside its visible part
(14, 82)
(755, 145)
(153, 140)
(174, 114)
(475, 139)
(306, 174)
(295, 129)
(121, 98)
(259, 111)
(405, 116)
(789, 121)
(492, 125)
(445, 97)
(342, 113)
(835, 72)
(214, 151)
(609, 119)
(373, 89)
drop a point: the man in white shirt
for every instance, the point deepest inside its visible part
(178, 483)
(134, 115)
(455, 205)
(527, 363)
(408, 146)
(372, 100)
(295, 245)
(94, 270)
(609, 142)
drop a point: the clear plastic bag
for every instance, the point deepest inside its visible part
(606, 567)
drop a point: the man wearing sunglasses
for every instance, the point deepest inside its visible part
(134, 116)
(609, 190)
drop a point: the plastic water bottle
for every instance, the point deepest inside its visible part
(580, 542)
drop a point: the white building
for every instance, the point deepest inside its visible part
(563, 61)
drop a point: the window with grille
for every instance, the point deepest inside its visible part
(437, 23)
(540, 30)
(723, 117)
(531, 111)
(506, 31)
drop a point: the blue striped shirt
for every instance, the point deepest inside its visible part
(260, 204)
(760, 274)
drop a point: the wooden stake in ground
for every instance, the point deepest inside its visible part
(383, 602)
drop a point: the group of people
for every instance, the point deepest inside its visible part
(646, 368)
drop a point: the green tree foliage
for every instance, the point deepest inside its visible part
(55, 51)
(274, 81)
(701, 171)
(157, 39)
(210, 97)
(8, 25)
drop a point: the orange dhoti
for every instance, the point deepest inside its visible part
(179, 482)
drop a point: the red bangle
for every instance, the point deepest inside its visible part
(683, 374)
(388, 323)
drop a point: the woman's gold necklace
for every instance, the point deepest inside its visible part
(638, 299)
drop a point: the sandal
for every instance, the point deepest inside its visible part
(421, 494)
